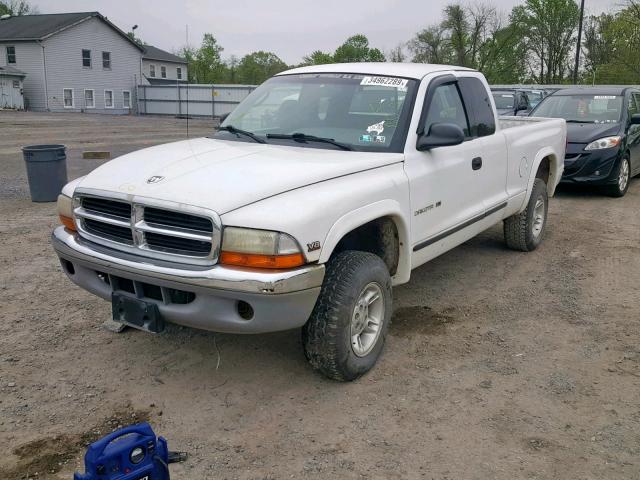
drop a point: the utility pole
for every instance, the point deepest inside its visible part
(579, 45)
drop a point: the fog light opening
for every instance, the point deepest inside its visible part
(245, 310)
(68, 267)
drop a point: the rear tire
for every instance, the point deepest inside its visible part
(623, 178)
(524, 231)
(346, 332)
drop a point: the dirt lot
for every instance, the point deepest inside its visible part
(499, 365)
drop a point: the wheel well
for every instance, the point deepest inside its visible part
(543, 170)
(379, 236)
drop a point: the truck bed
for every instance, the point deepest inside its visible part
(506, 122)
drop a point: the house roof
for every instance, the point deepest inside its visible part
(154, 53)
(12, 71)
(40, 27)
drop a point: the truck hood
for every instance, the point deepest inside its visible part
(225, 175)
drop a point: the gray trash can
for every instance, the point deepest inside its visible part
(46, 171)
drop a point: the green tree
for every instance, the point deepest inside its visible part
(430, 46)
(317, 58)
(502, 57)
(17, 8)
(205, 63)
(397, 54)
(357, 49)
(598, 46)
(256, 67)
(548, 27)
(136, 39)
(189, 54)
(455, 22)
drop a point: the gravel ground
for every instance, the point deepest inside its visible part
(499, 365)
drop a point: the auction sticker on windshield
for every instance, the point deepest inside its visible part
(393, 82)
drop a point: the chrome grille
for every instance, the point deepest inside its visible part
(150, 227)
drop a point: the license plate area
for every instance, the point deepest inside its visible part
(136, 313)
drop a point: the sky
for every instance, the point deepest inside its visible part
(289, 28)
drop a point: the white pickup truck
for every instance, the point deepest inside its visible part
(319, 192)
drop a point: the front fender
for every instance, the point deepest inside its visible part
(318, 215)
(360, 216)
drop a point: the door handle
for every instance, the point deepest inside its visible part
(476, 163)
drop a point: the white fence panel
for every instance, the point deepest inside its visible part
(192, 100)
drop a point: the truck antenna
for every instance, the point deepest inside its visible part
(187, 35)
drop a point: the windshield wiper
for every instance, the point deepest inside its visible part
(237, 131)
(304, 138)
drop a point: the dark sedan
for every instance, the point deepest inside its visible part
(603, 135)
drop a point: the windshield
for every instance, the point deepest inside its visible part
(364, 112)
(535, 97)
(582, 108)
(504, 100)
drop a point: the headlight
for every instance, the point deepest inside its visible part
(602, 143)
(259, 249)
(65, 211)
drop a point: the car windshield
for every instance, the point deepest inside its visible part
(363, 112)
(535, 97)
(504, 100)
(582, 108)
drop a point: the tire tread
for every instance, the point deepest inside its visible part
(321, 333)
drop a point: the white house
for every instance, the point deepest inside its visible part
(163, 68)
(81, 62)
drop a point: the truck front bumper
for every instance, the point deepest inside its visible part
(216, 298)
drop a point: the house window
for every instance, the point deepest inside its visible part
(152, 70)
(108, 99)
(67, 95)
(86, 58)
(126, 99)
(179, 73)
(11, 54)
(16, 84)
(106, 60)
(163, 71)
(89, 99)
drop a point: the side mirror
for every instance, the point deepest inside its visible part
(635, 119)
(522, 106)
(440, 135)
(223, 117)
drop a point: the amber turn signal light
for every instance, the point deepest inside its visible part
(262, 261)
(68, 222)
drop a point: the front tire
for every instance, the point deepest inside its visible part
(524, 231)
(623, 177)
(345, 334)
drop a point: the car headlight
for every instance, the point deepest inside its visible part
(602, 143)
(248, 247)
(65, 211)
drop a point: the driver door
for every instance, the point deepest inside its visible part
(445, 186)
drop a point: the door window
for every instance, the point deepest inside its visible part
(476, 98)
(634, 103)
(447, 107)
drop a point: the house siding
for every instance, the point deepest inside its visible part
(63, 54)
(172, 69)
(29, 61)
